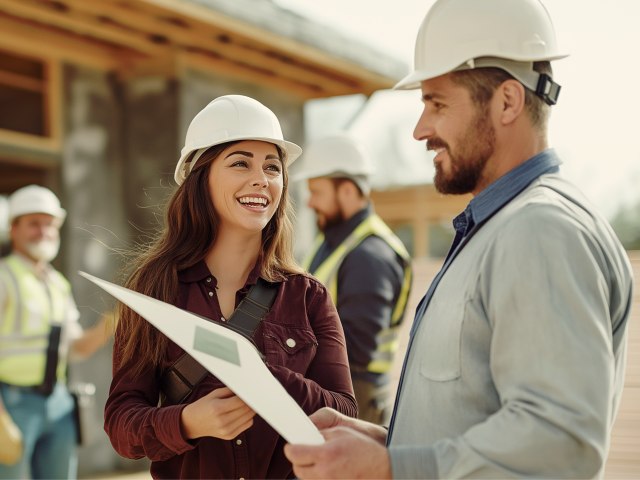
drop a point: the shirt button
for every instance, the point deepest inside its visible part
(241, 478)
(211, 294)
(238, 442)
(291, 343)
(209, 279)
(222, 319)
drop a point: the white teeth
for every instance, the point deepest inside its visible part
(259, 200)
(440, 150)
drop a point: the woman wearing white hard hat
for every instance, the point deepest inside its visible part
(228, 236)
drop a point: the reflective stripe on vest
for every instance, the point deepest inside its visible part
(31, 307)
(327, 273)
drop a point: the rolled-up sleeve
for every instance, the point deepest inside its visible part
(546, 288)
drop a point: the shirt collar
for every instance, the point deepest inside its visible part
(336, 234)
(200, 271)
(195, 273)
(504, 189)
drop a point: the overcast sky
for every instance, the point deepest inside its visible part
(595, 126)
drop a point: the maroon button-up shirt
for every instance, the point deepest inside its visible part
(314, 370)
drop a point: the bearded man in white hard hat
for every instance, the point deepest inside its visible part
(39, 331)
(516, 358)
(363, 264)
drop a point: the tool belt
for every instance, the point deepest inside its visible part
(179, 380)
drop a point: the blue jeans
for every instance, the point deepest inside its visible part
(48, 430)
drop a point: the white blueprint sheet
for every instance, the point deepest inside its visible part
(227, 355)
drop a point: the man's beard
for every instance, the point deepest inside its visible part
(44, 250)
(331, 221)
(467, 166)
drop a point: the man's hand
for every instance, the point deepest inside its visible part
(94, 338)
(220, 414)
(346, 453)
(328, 418)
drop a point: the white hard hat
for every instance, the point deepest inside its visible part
(34, 199)
(335, 154)
(227, 119)
(467, 34)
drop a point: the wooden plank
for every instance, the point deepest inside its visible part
(192, 12)
(30, 40)
(196, 36)
(132, 33)
(417, 203)
(624, 453)
(79, 24)
(52, 105)
(223, 67)
(33, 142)
(21, 81)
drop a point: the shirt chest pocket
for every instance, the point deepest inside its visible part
(289, 347)
(439, 340)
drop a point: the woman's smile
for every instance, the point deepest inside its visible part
(246, 185)
(254, 203)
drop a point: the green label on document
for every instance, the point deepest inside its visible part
(216, 345)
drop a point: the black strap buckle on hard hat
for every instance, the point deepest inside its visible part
(547, 89)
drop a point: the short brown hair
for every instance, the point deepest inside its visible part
(483, 82)
(337, 181)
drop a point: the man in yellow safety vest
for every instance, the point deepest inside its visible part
(39, 331)
(363, 264)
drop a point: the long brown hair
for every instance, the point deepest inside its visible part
(190, 229)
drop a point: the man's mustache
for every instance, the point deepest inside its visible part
(436, 142)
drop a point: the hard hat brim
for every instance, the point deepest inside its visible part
(306, 175)
(60, 213)
(412, 81)
(291, 150)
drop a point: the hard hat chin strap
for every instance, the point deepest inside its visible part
(540, 83)
(190, 163)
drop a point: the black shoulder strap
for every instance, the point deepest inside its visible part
(186, 373)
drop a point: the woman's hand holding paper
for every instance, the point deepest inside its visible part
(220, 414)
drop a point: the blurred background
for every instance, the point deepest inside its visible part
(96, 97)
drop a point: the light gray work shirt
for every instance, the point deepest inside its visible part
(516, 368)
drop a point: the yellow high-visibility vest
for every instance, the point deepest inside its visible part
(31, 308)
(327, 273)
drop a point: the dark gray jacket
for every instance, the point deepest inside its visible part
(369, 283)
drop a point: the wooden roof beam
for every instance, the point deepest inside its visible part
(71, 21)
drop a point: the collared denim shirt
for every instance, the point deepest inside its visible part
(516, 357)
(485, 204)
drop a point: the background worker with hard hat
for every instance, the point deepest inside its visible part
(39, 333)
(515, 364)
(225, 254)
(363, 264)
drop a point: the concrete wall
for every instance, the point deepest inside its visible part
(93, 194)
(151, 146)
